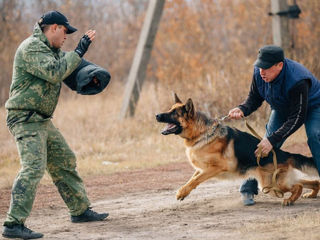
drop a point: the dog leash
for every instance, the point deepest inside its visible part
(221, 119)
(274, 186)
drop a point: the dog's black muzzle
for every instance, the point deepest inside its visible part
(161, 117)
(173, 127)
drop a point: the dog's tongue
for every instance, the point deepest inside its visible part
(167, 128)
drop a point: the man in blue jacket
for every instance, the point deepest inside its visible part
(294, 97)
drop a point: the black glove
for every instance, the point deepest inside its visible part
(83, 45)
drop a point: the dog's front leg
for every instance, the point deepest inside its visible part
(196, 173)
(197, 178)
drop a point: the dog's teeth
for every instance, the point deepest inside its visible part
(169, 126)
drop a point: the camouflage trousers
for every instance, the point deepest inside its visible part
(42, 147)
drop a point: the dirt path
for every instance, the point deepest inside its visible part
(142, 205)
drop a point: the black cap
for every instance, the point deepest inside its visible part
(268, 56)
(55, 17)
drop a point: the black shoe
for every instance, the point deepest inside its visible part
(89, 216)
(20, 231)
(248, 189)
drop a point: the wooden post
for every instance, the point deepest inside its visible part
(280, 24)
(141, 58)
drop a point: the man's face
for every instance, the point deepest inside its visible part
(59, 36)
(268, 75)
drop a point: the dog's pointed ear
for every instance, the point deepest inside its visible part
(190, 108)
(176, 99)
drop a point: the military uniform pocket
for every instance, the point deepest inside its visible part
(23, 135)
(31, 145)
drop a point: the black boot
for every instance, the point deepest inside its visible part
(20, 231)
(248, 189)
(89, 216)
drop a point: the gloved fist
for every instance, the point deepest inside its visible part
(83, 45)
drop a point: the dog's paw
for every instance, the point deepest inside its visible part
(181, 194)
(287, 202)
(309, 195)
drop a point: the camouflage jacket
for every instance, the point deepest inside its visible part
(38, 71)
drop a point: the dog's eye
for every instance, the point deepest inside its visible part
(179, 112)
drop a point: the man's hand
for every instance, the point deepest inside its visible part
(264, 147)
(91, 34)
(85, 42)
(235, 113)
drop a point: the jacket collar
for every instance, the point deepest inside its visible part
(37, 33)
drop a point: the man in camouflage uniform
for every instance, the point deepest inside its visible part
(38, 70)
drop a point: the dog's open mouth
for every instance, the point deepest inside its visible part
(170, 128)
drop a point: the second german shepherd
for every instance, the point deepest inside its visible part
(216, 150)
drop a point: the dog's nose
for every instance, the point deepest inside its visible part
(158, 116)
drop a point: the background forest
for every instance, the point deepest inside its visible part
(204, 48)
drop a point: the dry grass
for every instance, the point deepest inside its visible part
(287, 226)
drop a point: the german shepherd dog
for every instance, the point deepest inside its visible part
(216, 150)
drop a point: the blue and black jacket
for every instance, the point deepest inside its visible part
(294, 91)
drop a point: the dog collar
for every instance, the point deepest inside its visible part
(208, 137)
